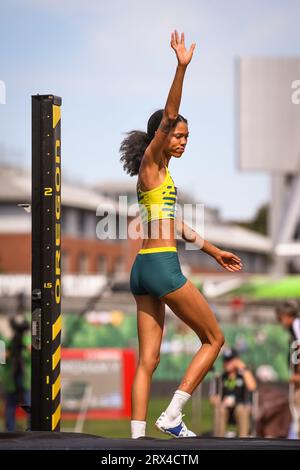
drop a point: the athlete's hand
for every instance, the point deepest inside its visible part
(183, 56)
(228, 261)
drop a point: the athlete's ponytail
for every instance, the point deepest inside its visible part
(132, 150)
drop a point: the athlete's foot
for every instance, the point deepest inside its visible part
(174, 427)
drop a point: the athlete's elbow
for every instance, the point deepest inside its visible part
(170, 116)
(189, 239)
(189, 235)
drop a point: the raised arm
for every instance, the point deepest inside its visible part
(171, 110)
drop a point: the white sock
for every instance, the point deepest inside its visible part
(138, 428)
(177, 403)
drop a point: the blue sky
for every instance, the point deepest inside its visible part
(113, 65)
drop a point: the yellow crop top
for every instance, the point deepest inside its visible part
(160, 202)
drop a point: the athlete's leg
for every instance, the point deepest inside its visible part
(150, 323)
(192, 308)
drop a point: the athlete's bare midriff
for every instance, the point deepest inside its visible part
(161, 233)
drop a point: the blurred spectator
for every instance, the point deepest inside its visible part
(287, 315)
(273, 417)
(231, 395)
(266, 373)
(16, 377)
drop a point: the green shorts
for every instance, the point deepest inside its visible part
(156, 272)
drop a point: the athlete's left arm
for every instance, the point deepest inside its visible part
(184, 231)
(226, 259)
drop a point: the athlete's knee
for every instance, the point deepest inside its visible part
(220, 339)
(149, 363)
(215, 338)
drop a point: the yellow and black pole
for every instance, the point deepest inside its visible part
(46, 263)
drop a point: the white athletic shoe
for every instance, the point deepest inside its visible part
(175, 427)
